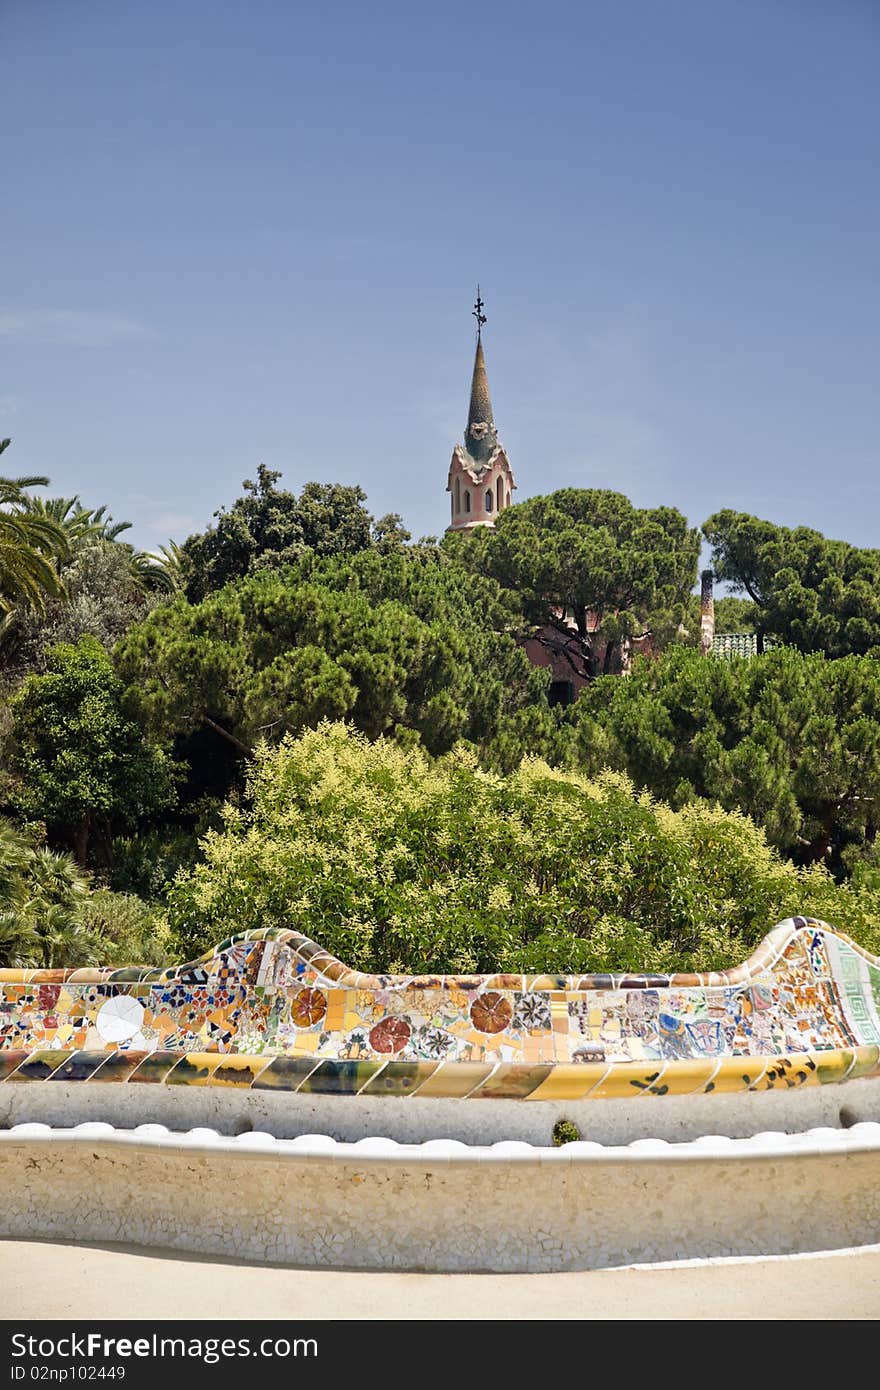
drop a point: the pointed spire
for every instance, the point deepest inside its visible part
(480, 436)
(480, 412)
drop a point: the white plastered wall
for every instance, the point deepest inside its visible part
(442, 1206)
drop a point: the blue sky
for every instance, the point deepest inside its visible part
(249, 232)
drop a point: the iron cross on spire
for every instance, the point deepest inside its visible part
(478, 314)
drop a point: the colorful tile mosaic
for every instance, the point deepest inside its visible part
(273, 1010)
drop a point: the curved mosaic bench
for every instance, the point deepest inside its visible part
(271, 1010)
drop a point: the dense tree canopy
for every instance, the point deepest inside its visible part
(77, 763)
(792, 740)
(270, 527)
(734, 614)
(619, 572)
(395, 861)
(404, 642)
(816, 594)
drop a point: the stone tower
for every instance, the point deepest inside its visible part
(480, 478)
(707, 612)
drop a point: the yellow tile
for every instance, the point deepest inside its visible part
(629, 1079)
(336, 1002)
(570, 1081)
(738, 1074)
(456, 1079)
(684, 1077)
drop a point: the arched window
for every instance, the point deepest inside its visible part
(467, 500)
(508, 499)
(457, 495)
(488, 499)
(499, 492)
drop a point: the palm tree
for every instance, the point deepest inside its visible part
(30, 548)
(162, 570)
(19, 942)
(55, 891)
(41, 897)
(18, 939)
(82, 526)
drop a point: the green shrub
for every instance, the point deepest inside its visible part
(120, 929)
(393, 860)
(565, 1132)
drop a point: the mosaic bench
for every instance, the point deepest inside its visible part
(271, 1010)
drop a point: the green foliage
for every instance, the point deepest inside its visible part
(393, 860)
(270, 527)
(41, 896)
(789, 739)
(77, 761)
(102, 599)
(593, 556)
(565, 1132)
(405, 643)
(120, 929)
(146, 864)
(50, 919)
(413, 835)
(816, 594)
(735, 614)
(30, 548)
(167, 568)
(82, 526)
(86, 527)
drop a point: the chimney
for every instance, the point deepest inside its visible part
(707, 613)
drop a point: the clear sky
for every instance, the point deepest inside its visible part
(243, 231)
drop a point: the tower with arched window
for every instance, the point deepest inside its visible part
(480, 482)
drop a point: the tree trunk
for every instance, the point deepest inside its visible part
(224, 733)
(817, 850)
(104, 833)
(79, 839)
